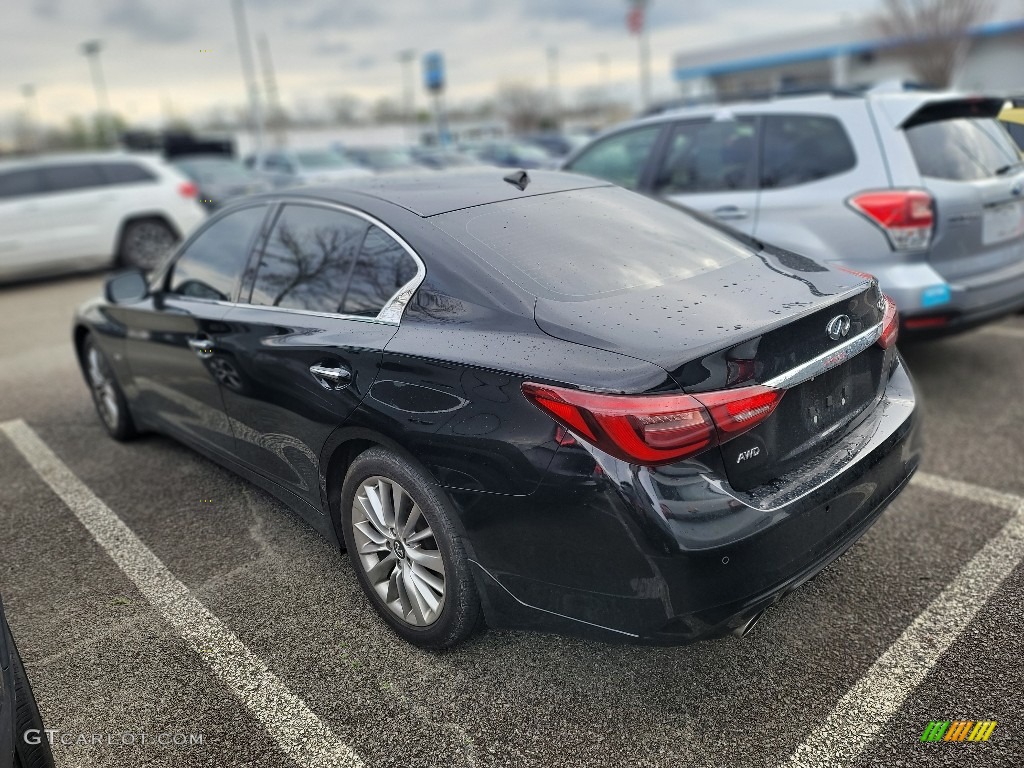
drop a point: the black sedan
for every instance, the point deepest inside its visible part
(23, 739)
(539, 402)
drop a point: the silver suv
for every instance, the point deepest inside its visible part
(921, 189)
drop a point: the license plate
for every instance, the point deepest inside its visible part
(1003, 222)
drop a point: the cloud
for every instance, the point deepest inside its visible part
(46, 9)
(145, 23)
(337, 15)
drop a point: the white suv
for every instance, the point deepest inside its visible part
(63, 213)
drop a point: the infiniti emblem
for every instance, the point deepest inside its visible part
(838, 327)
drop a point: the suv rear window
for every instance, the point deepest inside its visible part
(962, 149)
(579, 244)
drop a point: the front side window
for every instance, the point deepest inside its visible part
(20, 183)
(619, 159)
(212, 264)
(67, 178)
(383, 266)
(308, 259)
(709, 156)
(799, 149)
(962, 149)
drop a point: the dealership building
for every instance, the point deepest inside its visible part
(852, 54)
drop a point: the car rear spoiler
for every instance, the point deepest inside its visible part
(935, 110)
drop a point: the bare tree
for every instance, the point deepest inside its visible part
(933, 33)
(525, 108)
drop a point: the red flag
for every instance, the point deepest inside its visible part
(635, 18)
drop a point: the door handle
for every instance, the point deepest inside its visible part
(730, 213)
(202, 346)
(331, 378)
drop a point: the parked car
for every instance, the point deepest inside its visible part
(921, 189)
(23, 739)
(511, 154)
(220, 179)
(292, 167)
(541, 401)
(442, 159)
(63, 213)
(383, 159)
(557, 145)
(1012, 116)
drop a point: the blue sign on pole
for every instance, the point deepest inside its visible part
(433, 71)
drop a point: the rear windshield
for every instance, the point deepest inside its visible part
(963, 149)
(578, 244)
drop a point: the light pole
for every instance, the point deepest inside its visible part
(637, 22)
(553, 86)
(32, 116)
(249, 77)
(91, 49)
(603, 66)
(276, 117)
(407, 57)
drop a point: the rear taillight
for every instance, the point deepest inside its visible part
(188, 189)
(655, 429)
(905, 215)
(890, 324)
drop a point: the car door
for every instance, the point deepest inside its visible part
(622, 158)
(172, 336)
(710, 165)
(78, 201)
(24, 225)
(308, 345)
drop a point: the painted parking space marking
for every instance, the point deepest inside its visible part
(299, 733)
(864, 710)
(1003, 330)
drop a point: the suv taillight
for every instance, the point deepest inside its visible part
(655, 429)
(188, 189)
(905, 215)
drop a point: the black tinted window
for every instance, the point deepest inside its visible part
(590, 241)
(803, 148)
(382, 268)
(126, 173)
(619, 159)
(65, 178)
(20, 183)
(964, 149)
(709, 156)
(308, 259)
(213, 262)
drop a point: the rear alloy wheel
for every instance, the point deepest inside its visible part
(405, 551)
(144, 244)
(110, 403)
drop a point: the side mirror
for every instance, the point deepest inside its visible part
(127, 287)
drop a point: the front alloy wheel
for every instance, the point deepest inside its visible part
(397, 551)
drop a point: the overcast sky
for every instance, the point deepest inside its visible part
(154, 51)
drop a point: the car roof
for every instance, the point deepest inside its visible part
(431, 193)
(29, 161)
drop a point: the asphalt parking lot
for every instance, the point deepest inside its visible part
(214, 616)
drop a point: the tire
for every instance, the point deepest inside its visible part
(107, 396)
(145, 243)
(26, 718)
(415, 552)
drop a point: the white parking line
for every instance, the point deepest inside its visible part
(865, 709)
(299, 733)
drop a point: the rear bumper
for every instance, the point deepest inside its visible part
(674, 555)
(971, 302)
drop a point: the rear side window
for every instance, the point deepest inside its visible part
(962, 149)
(619, 159)
(126, 173)
(67, 178)
(20, 183)
(709, 156)
(383, 266)
(212, 264)
(308, 259)
(799, 149)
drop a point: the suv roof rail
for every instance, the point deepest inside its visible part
(733, 98)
